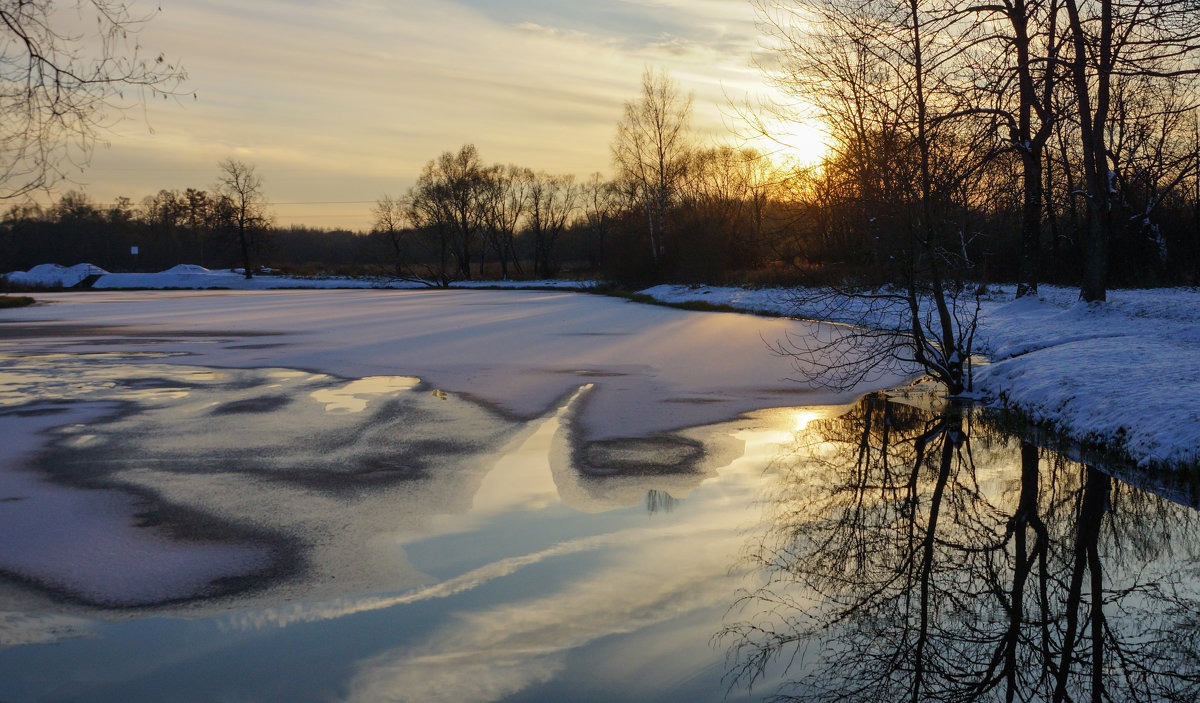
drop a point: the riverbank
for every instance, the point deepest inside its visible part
(1124, 374)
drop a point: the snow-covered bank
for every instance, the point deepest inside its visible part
(199, 278)
(1125, 374)
(192, 277)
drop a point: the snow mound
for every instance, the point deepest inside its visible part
(192, 277)
(54, 275)
(187, 268)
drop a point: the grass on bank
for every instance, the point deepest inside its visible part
(15, 301)
(693, 305)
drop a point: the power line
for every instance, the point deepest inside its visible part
(326, 217)
(328, 202)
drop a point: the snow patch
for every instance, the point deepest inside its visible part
(54, 275)
(193, 277)
(187, 268)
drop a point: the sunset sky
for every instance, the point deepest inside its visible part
(339, 103)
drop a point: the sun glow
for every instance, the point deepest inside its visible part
(801, 142)
(803, 417)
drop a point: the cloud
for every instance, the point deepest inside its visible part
(553, 32)
(19, 629)
(346, 100)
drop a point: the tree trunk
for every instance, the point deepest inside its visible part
(1097, 486)
(1093, 119)
(244, 240)
(1031, 223)
(1094, 285)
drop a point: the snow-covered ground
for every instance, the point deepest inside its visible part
(192, 277)
(1125, 374)
(53, 275)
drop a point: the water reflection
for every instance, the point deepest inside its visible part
(912, 554)
(379, 540)
(659, 501)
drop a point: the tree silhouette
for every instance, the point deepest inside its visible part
(62, 87)
(651, 151)
(243, 208)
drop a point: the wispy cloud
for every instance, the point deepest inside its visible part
(346, 100)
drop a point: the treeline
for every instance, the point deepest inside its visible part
(1042, 140)
(465, 218)
(894, 202)
(171, 227)
(1034, 140)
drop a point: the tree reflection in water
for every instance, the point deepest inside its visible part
(926, 556)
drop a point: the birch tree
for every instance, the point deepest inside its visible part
(651, 151)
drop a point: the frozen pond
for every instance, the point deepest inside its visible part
(539, 497)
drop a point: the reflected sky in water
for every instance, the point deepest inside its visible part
(293, 536)
(917, 553)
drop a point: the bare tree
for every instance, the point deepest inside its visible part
(883, 73)
(651, 150)
(448, 202)
(725, 201)
(1019, 78)
(391, 217)
(600, 210)
(1111, 40)
(63, 78)
(506, 192)
(552, 200)
(1153, 153)
(164, 211)
(240, 196)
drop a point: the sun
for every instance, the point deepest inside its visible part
(801, 142)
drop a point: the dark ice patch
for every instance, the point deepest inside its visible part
(661, 454)
(261, 404)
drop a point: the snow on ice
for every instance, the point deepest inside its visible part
(1124, 373)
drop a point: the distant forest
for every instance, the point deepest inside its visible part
(1047, 140)
(733, 217)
